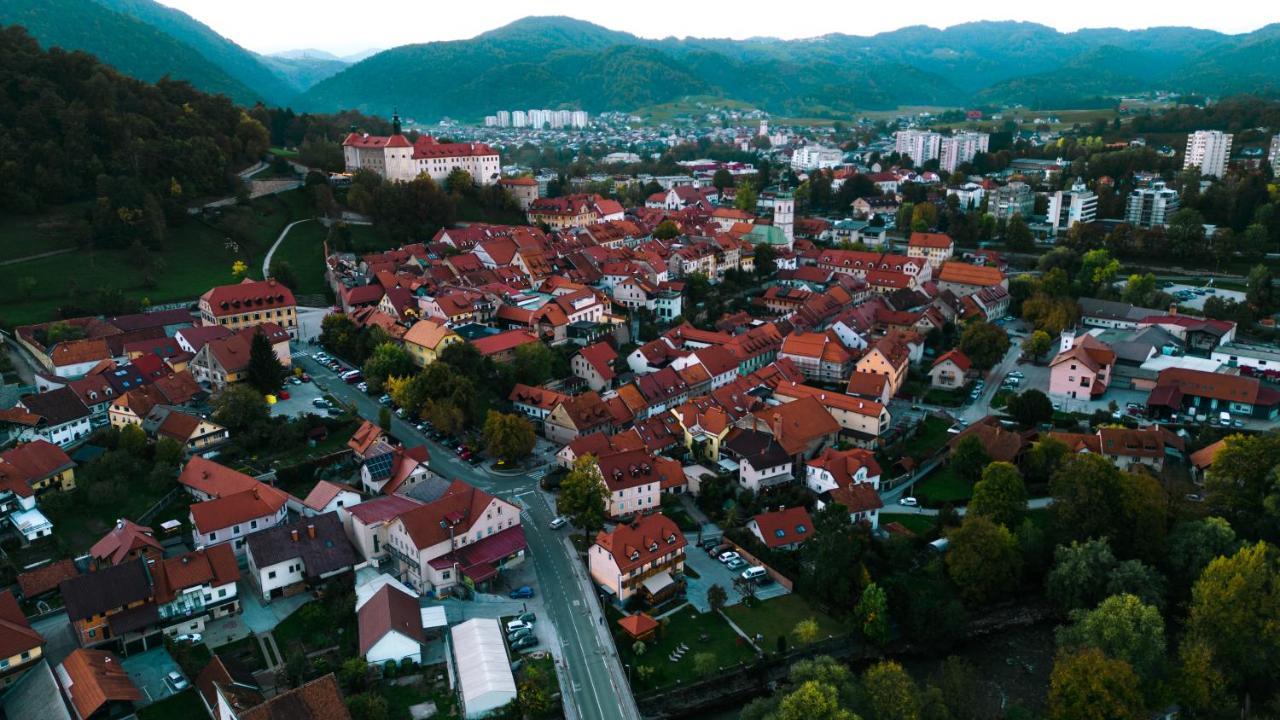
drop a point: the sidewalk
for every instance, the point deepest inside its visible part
(617, 677)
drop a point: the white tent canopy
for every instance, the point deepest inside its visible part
(484, 674)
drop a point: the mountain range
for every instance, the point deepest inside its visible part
(561, 62)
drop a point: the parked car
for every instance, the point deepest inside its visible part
(558, 522)
(283, 395)
(736, 563)
(320, 402)
(295, 381)
(306, 378)
(521, 593)
(189, 638)
(385, 400)
(516, 625)
(754, 572)
(519, 634)
(908, 501)
(523, 643)
(175, 681)
(717, 549)
(527, 617)
(362, 386)
(728, 555)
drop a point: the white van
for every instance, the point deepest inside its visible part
(752, 573)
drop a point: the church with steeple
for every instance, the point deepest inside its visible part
(395, 158)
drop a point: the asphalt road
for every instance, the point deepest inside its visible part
(598, 688)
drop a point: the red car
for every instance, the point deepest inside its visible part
(283, 395)
(306, 377)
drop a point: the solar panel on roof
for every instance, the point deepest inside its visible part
(379, 466)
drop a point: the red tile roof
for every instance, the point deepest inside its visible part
(97, 677)
(210, 478)
(784, 527)
(643, 541)
(16, 635)
(247, 296)
(124, 538)
(390, 609)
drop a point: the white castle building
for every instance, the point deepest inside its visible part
(395, 158)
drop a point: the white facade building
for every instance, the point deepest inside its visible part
(816, 157)
(1273, 155)
(1079, 205)
(1150, 207)
(1208, 150)
(960, 148)
(919, 145)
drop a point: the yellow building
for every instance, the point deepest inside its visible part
(250, 303)
(427, 339)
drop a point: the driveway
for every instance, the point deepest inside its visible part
(148, 670)
(255, 617)
(58, 636)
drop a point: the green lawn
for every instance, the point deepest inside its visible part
(918, 524)
(245, 653)
(195, 257)
(687, 626)
(947, 398)
(303, 249)
(942, 486)
(931, 436)
(185, 704)
(24, 235)
(78, 525)
(779, 616)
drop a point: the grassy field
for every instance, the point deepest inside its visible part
(245, 653)
(918, 524)
(79, 525)
(942, 486)
(196, 256)
(303, 249)
(687, 626)
(25, 235)
(931, 436)
(780, 616)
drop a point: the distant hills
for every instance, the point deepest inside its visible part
(562, 62)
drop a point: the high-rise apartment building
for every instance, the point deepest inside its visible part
(960, 148)
(1149, 207)
(1208, 150)
(919, 145)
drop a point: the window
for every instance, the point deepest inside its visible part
(254, 525)
(213, 536)
(222, 593)
(271, 575)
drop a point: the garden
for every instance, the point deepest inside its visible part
(784, 616)
(688, 646)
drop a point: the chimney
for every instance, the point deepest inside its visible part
(293, 535)
(120, 523)
(1173, 308)
(311, 531)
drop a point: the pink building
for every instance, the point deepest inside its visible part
(1083, 370)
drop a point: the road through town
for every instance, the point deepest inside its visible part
(599, 689)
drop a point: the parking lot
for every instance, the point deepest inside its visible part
(299, 402)
(713, 572)
(148, 671)
(1191, 299)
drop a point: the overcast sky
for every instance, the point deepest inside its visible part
(347, 26)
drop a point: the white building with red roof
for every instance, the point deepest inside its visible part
(393, 157)
(248, 304)
(645, 557)
(783, 529)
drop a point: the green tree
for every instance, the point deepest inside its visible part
(716, 596)
(745, 199)
(1042, 459)
(1140, 290)
(1194, 544)
(1017, 235)
(1078, 579)
(766, 263)
(805, 631)
(1000, 495)
(984, 343)
(666, 230)
(872, 614)
(384, 419)
(722, 179)
(240, 408)
(1090, 686)
(1260, 289)
(704, 664)
(1030, 408)
(354, 674)
(983, 560)
(264, 372)
(367, 706)
(1233, 615)
(1097, 270)
(132, 440)
(388, 360)
(583, 495)
(890, 692)
(284, 273)
(968, 459)
(1124, 628)
(1241, 478)
(1087, 497)
(1036, 345)
(508, 436)
(812, 700)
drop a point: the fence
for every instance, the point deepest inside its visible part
(778, 577)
